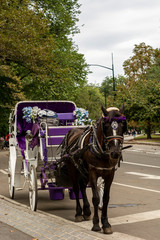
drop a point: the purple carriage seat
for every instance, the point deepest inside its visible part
(55, 135)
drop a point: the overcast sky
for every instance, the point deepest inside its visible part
(115, 26)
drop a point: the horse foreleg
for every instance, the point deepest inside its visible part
(95, 201)
(104, 218)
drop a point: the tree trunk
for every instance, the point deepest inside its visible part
(148, 130)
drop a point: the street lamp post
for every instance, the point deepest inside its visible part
(112, 69)
(114, 89)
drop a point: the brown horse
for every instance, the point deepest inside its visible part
(90, 153)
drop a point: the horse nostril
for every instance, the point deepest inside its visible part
(114, 155)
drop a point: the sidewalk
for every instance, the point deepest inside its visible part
(130, 140)
(24, 224)
(38, 225)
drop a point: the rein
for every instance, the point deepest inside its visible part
(78, 146)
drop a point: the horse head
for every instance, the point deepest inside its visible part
(113, 125)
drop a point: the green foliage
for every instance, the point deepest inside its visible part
(90, 98)
(140, 90)
(62, 15)
(38, 59)
(106, 89)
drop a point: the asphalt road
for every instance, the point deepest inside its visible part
(134, 207)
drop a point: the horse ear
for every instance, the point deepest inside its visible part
(104, 111)
(122, 109)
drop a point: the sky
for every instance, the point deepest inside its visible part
(114, 27)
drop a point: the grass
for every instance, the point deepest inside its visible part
(154, 138)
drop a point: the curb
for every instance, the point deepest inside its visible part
(44, 226)
(41, 225)
(141, 143)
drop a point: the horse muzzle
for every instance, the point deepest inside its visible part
(114, 157)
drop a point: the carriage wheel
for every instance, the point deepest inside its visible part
(11, 187)
(33, 188)
(10, 173)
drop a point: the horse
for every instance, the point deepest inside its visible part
(91, 153)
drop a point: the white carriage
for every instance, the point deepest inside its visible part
(33, 146)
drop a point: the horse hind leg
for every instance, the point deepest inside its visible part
(86, 205)
(78, 215)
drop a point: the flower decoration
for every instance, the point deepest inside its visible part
(82, 116)
(27, 114)
(30, 113)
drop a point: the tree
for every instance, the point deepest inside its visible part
(38, 59)
(140, 89)
(63, 16)
(137, 66)
(71, 66)
(106, 89)
(90, 98)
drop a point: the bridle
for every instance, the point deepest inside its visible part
(79, 146)
(96, 148)
(108, 139)
(111, 138)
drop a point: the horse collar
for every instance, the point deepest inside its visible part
(101, 169)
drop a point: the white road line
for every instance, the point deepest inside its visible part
(144, 175)
(139, 188)
(135, 150)
(121, 236)
(116, 235)
(3, 171)
(127, 219)
(137, 217)
(157, 153)
(143, 165)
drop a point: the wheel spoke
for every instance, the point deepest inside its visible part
(10, 183)
(33, 189)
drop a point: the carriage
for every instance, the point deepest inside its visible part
(44, 140)
(37, 129)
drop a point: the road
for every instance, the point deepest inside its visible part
(135, 194)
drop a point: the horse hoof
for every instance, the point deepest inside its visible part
(86, 218)
(107, 230)
(96, 228)
(78, 218)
